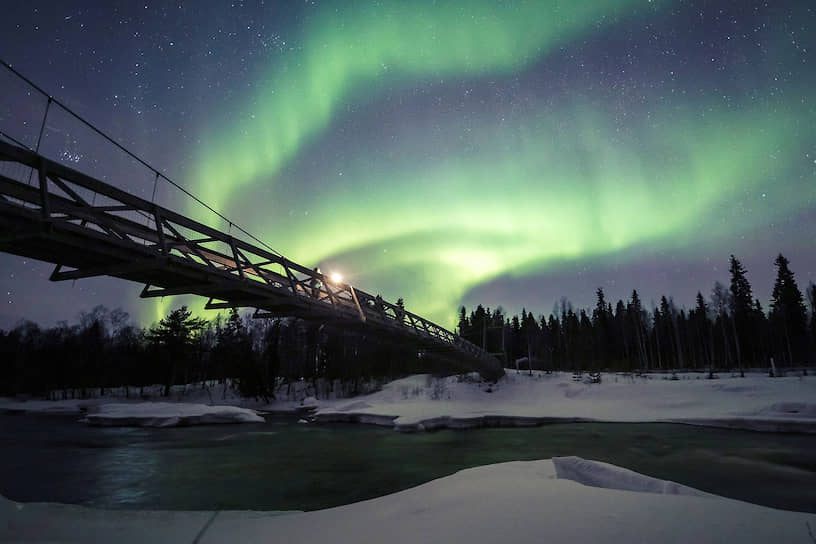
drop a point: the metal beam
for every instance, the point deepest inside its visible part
(18, 236)
(192, 289)
(107, 270)
(45, 224)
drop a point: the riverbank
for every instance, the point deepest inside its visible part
(423, 402)
(558, 500)
(755, 402)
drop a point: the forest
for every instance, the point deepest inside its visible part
(728, 331)
(261, 358)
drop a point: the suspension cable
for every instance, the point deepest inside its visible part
(130, 154)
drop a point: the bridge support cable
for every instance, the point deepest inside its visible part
(174, 255)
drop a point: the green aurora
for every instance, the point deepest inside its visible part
(538, 186)
(445, 231)
(347, 49)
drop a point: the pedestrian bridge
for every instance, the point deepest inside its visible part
(51, 218)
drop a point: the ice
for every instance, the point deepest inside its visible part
(167, 414)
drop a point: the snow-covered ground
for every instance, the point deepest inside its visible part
(558, 500)
(421, 402)
(186, 405)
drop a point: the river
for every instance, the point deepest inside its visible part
(284, 465)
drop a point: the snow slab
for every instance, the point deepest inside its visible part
(515, 502)
(605, 475)
(422, 402)
(167, 414)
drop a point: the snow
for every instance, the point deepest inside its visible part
(518, 502)
(166, 414)
(605, 475)
(419, 402)
(566, 499)
(71, 406)
(422, 402)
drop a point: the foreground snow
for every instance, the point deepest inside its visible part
(166, 414)
(419, 402)
(536, 501)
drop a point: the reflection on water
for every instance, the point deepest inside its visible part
(126, 487)
(282, 465)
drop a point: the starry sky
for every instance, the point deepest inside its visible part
(447, 152)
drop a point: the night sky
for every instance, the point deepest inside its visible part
(508, 153)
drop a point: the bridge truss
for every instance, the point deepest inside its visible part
(114, 233)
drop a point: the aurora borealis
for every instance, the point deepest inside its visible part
(451, 153)
(359, 46)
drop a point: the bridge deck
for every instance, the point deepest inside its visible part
(123, 236)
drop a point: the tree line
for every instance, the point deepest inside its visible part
(728, 331)
(261, 358)
(266, 358)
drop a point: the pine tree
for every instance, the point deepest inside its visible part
(478, 324)
(599, 313)
(635, 312)
(601, 317)
(703, 328)
(788, 311)
(620, 333)
(811, 296)
(175, 335)
(529, 333)
(742, 302)
(464, 327)
(721, 302)
(556, 342)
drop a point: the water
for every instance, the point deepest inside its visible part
(282, 465)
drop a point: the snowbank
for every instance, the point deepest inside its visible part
(422, 402)
(517, 502)
(419, 402)
(166, 414)
(599, 474)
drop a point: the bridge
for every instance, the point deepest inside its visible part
(121, 235)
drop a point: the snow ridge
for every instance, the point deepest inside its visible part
(599, 474)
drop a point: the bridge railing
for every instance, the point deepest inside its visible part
(58, 193)
(32, 118)
(56, 200)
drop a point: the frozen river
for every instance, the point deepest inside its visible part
(283, 465)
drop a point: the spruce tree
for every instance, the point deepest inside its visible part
(635, 312)
(601, 317)
(788, 311)
(703, 329)
(464, 327)
(174, 336)
(721, 302)
(742, 302)
(811, 296)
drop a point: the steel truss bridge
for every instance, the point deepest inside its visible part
(121, 235)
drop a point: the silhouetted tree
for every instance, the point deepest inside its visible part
(174, 339)
(788, 312)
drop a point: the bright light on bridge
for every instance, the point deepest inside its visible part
(336, 277)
